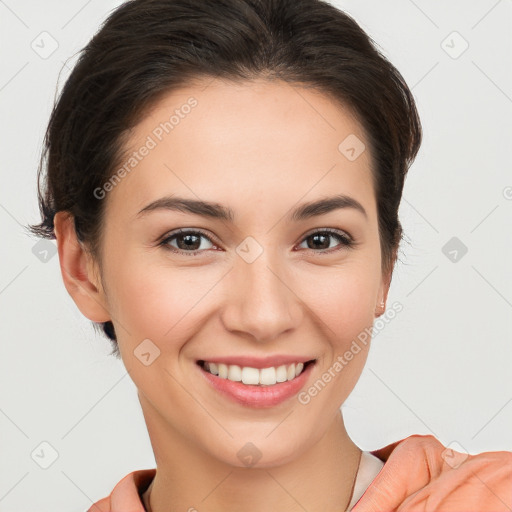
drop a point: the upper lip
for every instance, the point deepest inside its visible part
(259, 362)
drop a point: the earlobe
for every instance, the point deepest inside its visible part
(77, 269)
(382, 297)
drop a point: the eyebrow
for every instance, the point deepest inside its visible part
(217, 211)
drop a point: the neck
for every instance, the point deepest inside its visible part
(320, 479)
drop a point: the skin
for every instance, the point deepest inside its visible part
(260, 148)
(422, 475)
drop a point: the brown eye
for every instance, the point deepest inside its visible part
(321, 240)
(187, 242)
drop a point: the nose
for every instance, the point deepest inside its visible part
(261, 302)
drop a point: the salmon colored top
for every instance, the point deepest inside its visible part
(127, 494)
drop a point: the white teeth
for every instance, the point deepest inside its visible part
(268, 376)
(234, 373)
(281, 373)
(223, 371)
(248, 375)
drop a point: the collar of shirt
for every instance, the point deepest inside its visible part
(126, 495)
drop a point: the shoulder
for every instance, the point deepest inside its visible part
(420, 470)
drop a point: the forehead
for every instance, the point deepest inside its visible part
(242, 143)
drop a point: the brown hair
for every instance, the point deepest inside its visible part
(146, 48)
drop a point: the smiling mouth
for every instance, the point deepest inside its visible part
(255, 376)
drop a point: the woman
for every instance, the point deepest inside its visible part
(223, 183)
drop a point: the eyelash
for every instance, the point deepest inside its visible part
(345, 241)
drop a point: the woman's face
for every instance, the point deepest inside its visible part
(258, 285)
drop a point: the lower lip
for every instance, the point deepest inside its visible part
(258, 396)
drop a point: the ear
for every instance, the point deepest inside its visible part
(382, 295)
(79, 271)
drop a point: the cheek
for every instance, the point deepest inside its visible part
(344, 304)
(157, 301)
(344, 300)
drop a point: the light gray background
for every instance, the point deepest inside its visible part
(441, 367)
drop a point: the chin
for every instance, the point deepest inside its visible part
(260, 451)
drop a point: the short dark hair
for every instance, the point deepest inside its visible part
(147, 48)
